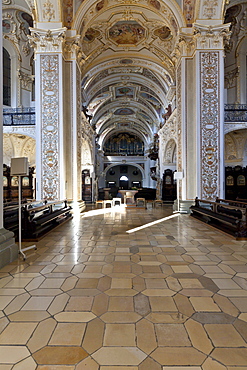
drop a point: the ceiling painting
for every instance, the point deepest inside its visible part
(155, 3)
(127, 32)
(124, 92)
(124, 112)
(164, 33)
(128, 66)
(100, 5)
(91, 35)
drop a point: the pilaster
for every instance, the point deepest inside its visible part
(200, 111)
(48, 45)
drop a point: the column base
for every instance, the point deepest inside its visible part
(184, 205)
(8, 249)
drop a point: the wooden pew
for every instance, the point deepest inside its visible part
(39, 219)
(229, 216)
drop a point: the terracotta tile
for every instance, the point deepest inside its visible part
(28, 363)
(120, 317)
(100, 304)
(165, 304)
(198, 336)
(69, 283)
(241, 327)
(205, 304)
(59, 355)
(146, 338)
(13, 354)
(121, 304)
(119, 356)
(178, 356)
(5, 300)
(35, 316)
(158, 292)
(79, 304)
(74, 316)
(230, 356)
(184, 305)
(41, 335)
(121, 292)
(93, 338)
(88, 364)
(37, 303)
(68, 334)
(240, 303)
(16, 304)
(119, 335)
(211, 364)
(172, 335)
(149, 364)
(3, 323)
(223, 335)
(24, 330)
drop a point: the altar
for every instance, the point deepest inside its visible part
(128, 196)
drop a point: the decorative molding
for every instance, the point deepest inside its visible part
(47, 40)
(50, 133)
(6, 2)
(72, 50)
(208, 37)
(209, 8)
(26, 80)
(48, 11)
(210, 124)
(231, 78)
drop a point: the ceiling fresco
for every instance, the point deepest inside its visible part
(129, 67)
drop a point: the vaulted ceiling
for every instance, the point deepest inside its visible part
(128, 67)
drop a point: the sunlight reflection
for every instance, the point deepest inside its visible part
(96, 212)
(152, 223)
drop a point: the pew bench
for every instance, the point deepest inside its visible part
(222, 214)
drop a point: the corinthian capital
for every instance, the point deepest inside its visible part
(47, 40)
(211, 37)
(73, 50)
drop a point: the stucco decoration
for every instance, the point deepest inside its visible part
(230, 148)
(50, 126)
(18, 145)
(170, 152)
(211, 9)
(210, 127)
(189, 11)
(67, 13)
(47, 40)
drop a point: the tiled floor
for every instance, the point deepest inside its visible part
(172, 296)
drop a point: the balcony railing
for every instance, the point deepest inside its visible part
(26, 116)
(235, 113)
(18, 116)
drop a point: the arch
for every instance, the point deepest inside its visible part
(18, 145)
(86, 156)
(6, 78)
(15, 65)
(120, 164)
(170, 152)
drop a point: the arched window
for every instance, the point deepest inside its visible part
(6, 78)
